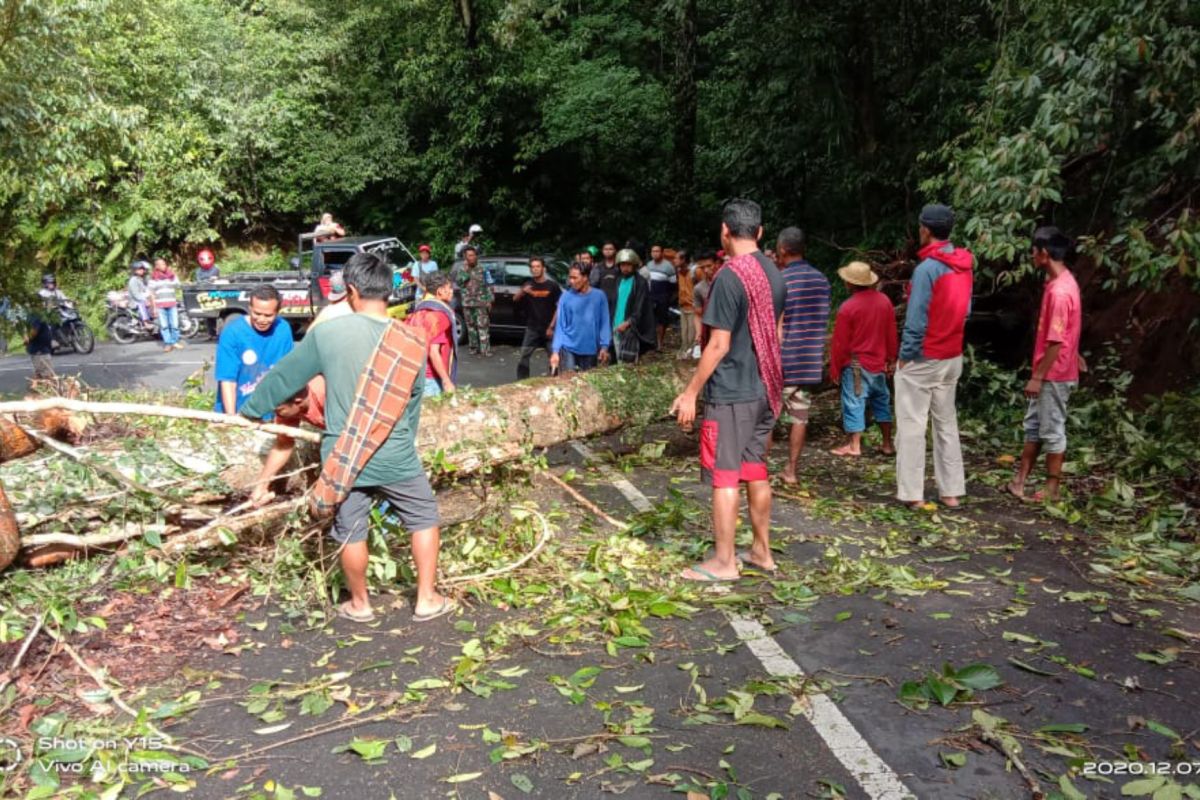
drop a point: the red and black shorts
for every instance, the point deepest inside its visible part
(733, 442)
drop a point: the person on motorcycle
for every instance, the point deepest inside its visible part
(50, 293)
(139, 292)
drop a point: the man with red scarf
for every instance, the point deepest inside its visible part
(742, 377)
(930, 362)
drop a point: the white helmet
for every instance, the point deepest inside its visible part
(475, 229)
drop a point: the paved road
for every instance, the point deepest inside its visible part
(144, 365)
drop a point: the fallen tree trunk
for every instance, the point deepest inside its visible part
(462, 433)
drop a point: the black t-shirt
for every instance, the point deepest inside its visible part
(539, 302)
(610, 280)
(736, 378)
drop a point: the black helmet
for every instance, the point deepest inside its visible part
(49, 280)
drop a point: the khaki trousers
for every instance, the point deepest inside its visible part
(687, 333)
(924, 388)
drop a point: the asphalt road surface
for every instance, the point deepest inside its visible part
(144, 365)
(870, 601)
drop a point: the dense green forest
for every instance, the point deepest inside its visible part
(137, 126)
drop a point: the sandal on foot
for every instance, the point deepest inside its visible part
(445, 608)
(746, 561)
(346, 611)
(708, 576)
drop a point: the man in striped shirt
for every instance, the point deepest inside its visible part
(803, 332)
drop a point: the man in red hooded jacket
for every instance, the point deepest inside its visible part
(930, 363)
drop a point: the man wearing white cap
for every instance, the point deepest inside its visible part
(467, 241)
(338, 305)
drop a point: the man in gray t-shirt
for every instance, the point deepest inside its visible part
(738, 411)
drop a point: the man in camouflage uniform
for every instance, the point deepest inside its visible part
(476, 301)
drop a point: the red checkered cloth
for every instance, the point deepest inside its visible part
(380, 398)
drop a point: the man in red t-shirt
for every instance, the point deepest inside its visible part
(306, 406)
(862, 355)
(1055, 365)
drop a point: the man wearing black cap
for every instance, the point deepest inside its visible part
(930, 362)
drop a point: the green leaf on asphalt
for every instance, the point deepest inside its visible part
(1068, 789)
(429, 683)
(1161, 729)
(1063, 727)
(462, 777)
(630, 641)
(522, 782)
(1143, 786)
(953, 760)
(763, 720)
(369, 749)
(941, 691)
(979, 677)
(634, 741)
(425, 752)
(1029, 667)
(1159, 657)
(842, 616)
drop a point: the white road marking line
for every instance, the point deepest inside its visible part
(876, 778)
(873, 774)
(627, 489)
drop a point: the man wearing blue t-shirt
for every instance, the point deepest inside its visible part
(248, 347)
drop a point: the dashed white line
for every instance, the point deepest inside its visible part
(877, 779)
(627, 489)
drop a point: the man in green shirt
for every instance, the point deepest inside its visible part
(340, 350)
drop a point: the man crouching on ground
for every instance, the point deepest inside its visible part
(372, 367)
(742, 378)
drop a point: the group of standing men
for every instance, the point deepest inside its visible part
(762, 326)
(764, 331)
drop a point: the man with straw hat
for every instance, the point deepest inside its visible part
(862, 355)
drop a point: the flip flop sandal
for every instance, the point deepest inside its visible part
(708, 576)
(445, 608)
(746, 561)
(345, 613)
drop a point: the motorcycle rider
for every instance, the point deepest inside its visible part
(139, 292)
(50, 293)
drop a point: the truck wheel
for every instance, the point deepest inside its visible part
(232, 316)
(462, 328)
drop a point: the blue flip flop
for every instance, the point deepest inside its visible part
(708, 576)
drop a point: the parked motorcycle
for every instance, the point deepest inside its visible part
(126, 327)
(71, 332)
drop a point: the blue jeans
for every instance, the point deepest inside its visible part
(874, 390)
(432, 387)
(574, 362)
(168, 324)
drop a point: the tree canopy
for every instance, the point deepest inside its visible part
(143, 125)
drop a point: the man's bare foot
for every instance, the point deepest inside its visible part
(1017, 490)
(712, 571)
(846, 450)
(951, 502)
(428, 608)
(758, 560)
(788, 477)
(888, 450)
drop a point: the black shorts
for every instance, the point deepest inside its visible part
(662, 311)
(733, 442)
(411, 500)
